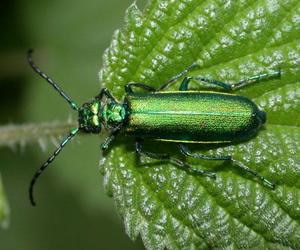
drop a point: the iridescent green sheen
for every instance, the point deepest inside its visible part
(192, 116)
(182, 116)
(113, 113)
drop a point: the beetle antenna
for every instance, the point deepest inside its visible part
(49, 80)
(46, 164)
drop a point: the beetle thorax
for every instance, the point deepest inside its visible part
(113, 114)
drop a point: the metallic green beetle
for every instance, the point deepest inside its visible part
(182, 116)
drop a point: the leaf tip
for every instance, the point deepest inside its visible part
(133, 16)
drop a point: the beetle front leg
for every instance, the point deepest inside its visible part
(107, 141)
(174, 161)
(111, 137)
(128, 87)
(187, 152)
(106, 92)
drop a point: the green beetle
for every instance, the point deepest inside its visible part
(184, 117)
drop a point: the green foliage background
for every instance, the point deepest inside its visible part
(69, 39)
(164, 204)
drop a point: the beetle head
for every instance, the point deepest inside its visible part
(88, 117)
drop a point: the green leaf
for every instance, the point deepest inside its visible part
(231, 40)
(4, 210)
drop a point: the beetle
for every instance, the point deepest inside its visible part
(183, 117)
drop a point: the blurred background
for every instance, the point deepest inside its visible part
(69, 38)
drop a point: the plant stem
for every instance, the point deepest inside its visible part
(11, 135)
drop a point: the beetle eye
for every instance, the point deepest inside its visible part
(95, 120)
(95, 108)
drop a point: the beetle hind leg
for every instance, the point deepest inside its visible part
(230, 87)
(172, 160)
(187, 152)
(251, 171)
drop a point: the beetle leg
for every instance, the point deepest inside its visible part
(175, 161)
(128, 87)
(139, 150)
(227, 86)
(187, 152)
(185, 84)
(106, 92)
(176, 77)
(111, 137)
(251, 171)
(107, 141)
(256, 78)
